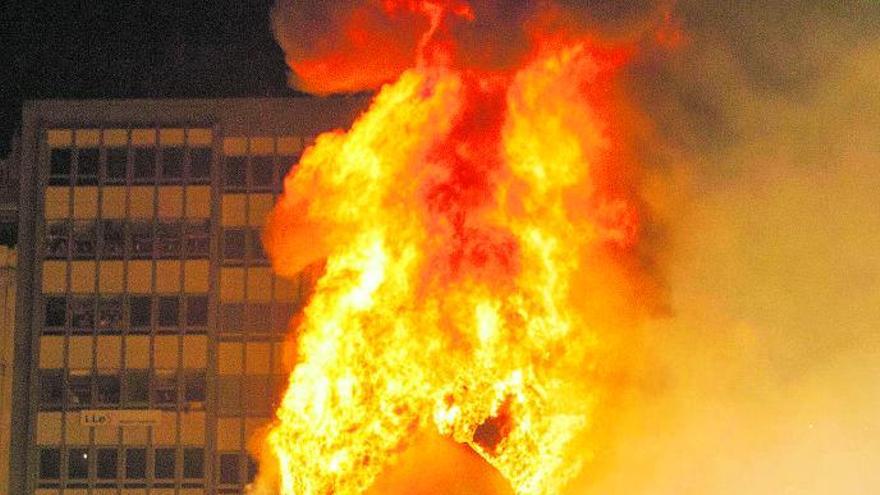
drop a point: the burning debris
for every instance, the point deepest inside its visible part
(478, 228)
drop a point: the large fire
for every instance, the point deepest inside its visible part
(470, 230)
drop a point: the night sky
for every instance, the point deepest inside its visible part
(109, 49)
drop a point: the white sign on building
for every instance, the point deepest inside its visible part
(120, 417)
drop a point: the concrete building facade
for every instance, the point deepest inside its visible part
(149, 327)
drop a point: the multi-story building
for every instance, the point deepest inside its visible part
(149, 327)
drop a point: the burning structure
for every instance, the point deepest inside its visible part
(474, 236)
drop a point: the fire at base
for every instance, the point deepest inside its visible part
(455, 221)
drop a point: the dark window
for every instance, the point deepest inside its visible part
(79, 388)
(233, 244)
(197, 311)
(193, 463)
(232, 316)
(59, 166)
(168, 240)
(56, 311)
(195, 386)
(108, 389)
(50, 464)
(281, 315)
(140, 309)
(141, 240)
(251, 469)
(51, 388)
(117, 161)
(285, 164)
(262, 171)
(257, 395)
(78, 464)
(84, 240)
(200, 163)
(258, 318)
(137, 386)
(57, 240)
(198, 241)
(109, 314)
(228, 395)
(229, 468)
(107, 461)
(164, 390)
(113, 234)
(169, 311)
(165, 462)
(235, 172)
(172, 164)
(144, 169)
(136, 463)
(87, 166)
(257, 254)
(82, 313)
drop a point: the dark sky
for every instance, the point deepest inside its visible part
(108, 48)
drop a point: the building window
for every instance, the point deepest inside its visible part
(50, 464)
(164, 389)
(257, 395)
(256, 252)
(235, 175)
(51, 389)
(113, 239)
(79, 388)
(200, 164)
(230, 472)
(262, 172)
(137, 387)
(196, 311)
(140, 312)
(258, 318)
(168, 240)
(77, 464)
(141, 240)
(251, 469)
(57, 240)
(193, 463)
(172, 164)
(82, 313)
(84, 240)
(281, 315)
(144, 169)
(232, 317)
(136, 463)
(228, 395)
(169, 311)
(87, 166)
(117, 163)
(107, 463)
(59, 167)
(194, 390)
(56, 311)
(198, 241)
(165, 462)
(108, 390)
(109, 315)
(233, 244)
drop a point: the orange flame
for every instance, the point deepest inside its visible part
(453, 219)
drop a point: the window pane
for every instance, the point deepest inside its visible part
(137, 386)
(109, 314)
(116, 164)
(164, 390)
(257, 395)
(234, 172)
(169, 311)
(193, 463)
(141, 240)
(144, 168)
(168, 240)
(262, 170)
(196, 311)
(108, 389)
(257, 253)
(50, 464)
(136, 463)
(197, 239)
(57, 240)
(165, 462)
(251, 469)
(78, 464)
(108, 460)
(51, 388)
(172, 164)
(232, 316)
(229, 395)
(195, 386)
(113, 234)
(84, 240)
(233, 244)
(87, 166)
(56, 311)
(200, 163)
(59, 163)
(79, 390)
(258, 318)
(229, 468)
(140, 308)
(83, 313)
